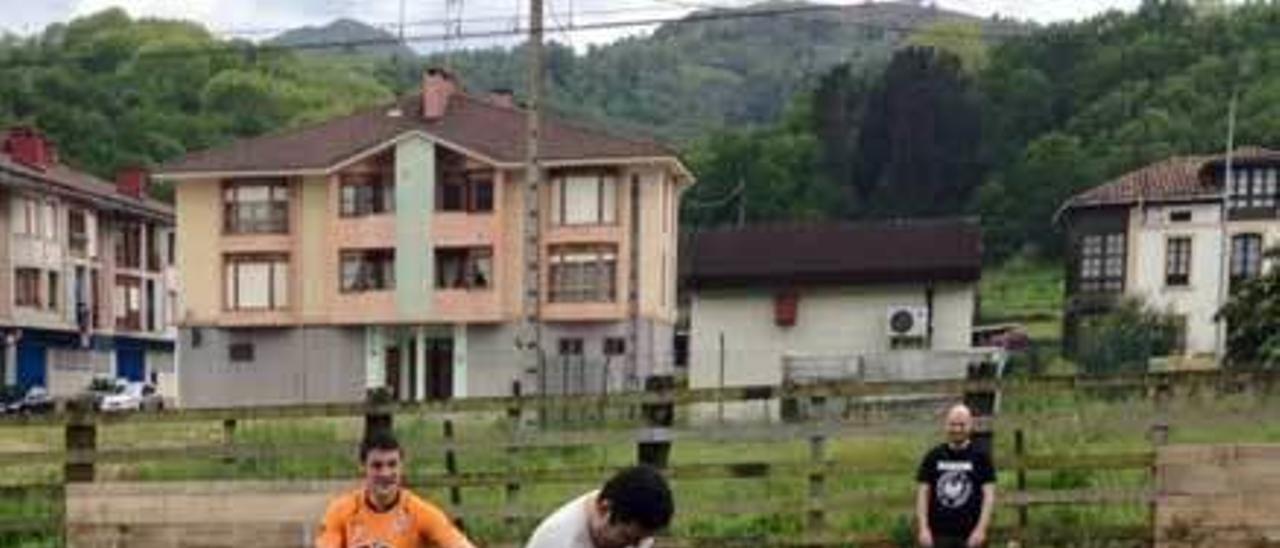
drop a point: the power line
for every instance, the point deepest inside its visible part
(694, 18)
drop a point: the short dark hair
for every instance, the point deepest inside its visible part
(378, 441)
(639, 495)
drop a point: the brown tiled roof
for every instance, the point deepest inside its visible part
(889, 252)
(67, 181)
(1181, 178)
(475, 124)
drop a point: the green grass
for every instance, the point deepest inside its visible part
(1021, 289)
(1060, 425)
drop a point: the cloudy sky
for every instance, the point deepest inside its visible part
(261, 18)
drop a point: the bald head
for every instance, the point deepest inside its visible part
(959, 424)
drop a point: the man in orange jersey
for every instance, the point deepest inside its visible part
(382, 514)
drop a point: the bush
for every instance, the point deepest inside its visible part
(1125, 340)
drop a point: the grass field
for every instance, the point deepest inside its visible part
(1062, 425)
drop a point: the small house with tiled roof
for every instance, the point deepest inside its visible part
(386, 249)
(1177, 235)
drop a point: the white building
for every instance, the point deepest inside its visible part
(1173, 235)
(875, 301)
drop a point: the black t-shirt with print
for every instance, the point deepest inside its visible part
(955, 478)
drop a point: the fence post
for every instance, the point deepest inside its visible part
(1159, 437)
(1020, 451)
(451, 468)
(514, 418)
(817, 514)
(377, 415)
(229, 440)
(654, 447)
(81, 436)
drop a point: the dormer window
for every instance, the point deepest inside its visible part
(1252, 188)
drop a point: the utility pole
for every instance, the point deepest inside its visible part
(531, 332)
(1224, 261)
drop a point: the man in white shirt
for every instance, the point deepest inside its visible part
(634, 505)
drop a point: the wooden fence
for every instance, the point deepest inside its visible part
(86, 507)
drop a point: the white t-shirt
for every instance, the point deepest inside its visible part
(567, 527)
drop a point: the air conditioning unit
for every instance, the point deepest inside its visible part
(908, 321)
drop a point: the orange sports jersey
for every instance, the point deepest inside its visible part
(351, 523)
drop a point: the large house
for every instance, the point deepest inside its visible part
(773, 304)
(384, 249)
(88, 287)
(1177, 235)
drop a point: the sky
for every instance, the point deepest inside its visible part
(256, 19)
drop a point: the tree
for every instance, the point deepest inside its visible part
(1253, 320)
(1018, 206)
(919, 143)
(771, 174)
(839, 103)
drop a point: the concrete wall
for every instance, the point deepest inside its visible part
(492, 361)
(6, 246)
(290, 365)
(70, 370)
(316, 259)
(200, 266)
(1150, 229)
(415, 202)
(837, 321)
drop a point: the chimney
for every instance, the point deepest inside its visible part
(131, 181)
(437, 86)
(502, 97)
(27, 146)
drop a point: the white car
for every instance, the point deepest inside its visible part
(136, 396)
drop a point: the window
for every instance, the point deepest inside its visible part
(583, 273)
(1177, 261)
(151, 305)
(77, 234)
(1102, 263)
(171, 249)
(1246, 257)
(153, 247)
(128, 302)
(464, 268)
(26, 287)
(94, 314)
(50, 221)
(129, 246)
(584, 199)
(256, 207)
(367, 194)
(53, 288)
(570, 347)
(368, 270)
(1181, 216)
(171, 308)
(1253, 188)
(240, 352)
(27, 214)
(257, 282)
(615, 346)
(462, 188)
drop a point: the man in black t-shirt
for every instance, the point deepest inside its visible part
(956, 488)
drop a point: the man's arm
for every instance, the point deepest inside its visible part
(437, 529)
(925, 537)
(979, 535)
